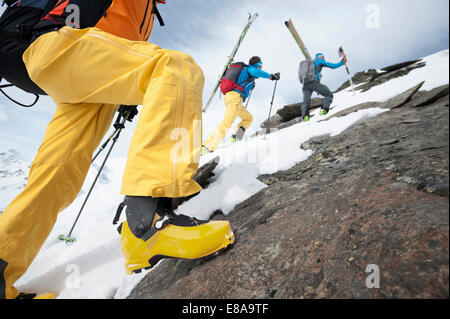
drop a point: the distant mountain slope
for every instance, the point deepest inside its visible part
(13, 176)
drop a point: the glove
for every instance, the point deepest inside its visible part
(275, 77)
(132, 109)
(344, 60)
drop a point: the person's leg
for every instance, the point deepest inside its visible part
(238, 135)
(91, 66)
(232, 102)
(246, 120)
(325, 92)
(55, 178)
(307, 93)
(81, 70)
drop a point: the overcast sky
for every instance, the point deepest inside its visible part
(373, 33)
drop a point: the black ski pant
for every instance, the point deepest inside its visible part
(315, 86)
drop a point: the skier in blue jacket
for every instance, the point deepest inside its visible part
(248, 76)
(234, 105)
(316, 86)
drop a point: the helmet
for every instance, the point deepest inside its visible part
(320, 56)
(256, 61)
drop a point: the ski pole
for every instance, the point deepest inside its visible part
(270, 110)
(248, 101)
(132, 109)
(342, 55)
(119, 125)
(104, 145)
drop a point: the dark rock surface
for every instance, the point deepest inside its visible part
(399, 66)
(360, 78)
(362, 106)
(202, 177)
(273, 121)
(293, 111)
(376, 194)
(431, 96)
(402, 98)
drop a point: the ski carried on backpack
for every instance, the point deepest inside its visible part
(306, 70)
(250, 21)
(298, 39)
(344, 57)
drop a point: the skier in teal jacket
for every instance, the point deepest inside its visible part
(235, 108)
(247, 78)
(316, 86)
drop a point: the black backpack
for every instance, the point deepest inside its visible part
(24, 21)
(230, 79)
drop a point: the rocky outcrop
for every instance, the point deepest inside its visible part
(292, 111)
(373, 196)
(273, 121)
(202, 177)
(363, 81)
(360, 78)
(410, 98)
(371, 78)
(399, 66)
(425, 98)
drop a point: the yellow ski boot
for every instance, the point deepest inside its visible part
(49, 295)
(168, 235)
(205, 151)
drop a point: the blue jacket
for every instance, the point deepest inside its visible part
(247, 77)
(320, 63)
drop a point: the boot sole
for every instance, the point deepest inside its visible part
(155, 259)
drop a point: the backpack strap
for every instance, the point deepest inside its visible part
(166, 216)
(158, 15)
(9, 2)
(28, 31)
(249, 80)
(10, 98)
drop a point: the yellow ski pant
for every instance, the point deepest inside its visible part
(234, 109)
(89, 73)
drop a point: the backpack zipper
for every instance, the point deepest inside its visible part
(145, 16)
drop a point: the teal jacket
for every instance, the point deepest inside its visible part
(247, 79)
(320, 63)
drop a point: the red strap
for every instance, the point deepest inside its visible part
(59, 8)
